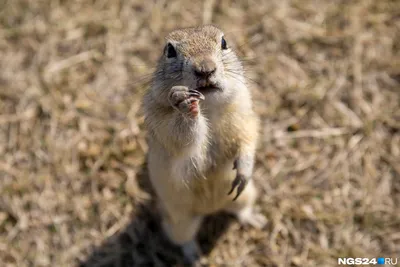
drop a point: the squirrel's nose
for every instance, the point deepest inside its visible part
(204, 68)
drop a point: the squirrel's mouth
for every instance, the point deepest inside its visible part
(206, 86)
(205, 89)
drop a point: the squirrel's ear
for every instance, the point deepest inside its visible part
(170, 51)
(223, 44)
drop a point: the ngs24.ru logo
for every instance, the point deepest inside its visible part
(367, 261)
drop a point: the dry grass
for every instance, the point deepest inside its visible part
(325, 78)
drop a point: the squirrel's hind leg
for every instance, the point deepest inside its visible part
(182, 231)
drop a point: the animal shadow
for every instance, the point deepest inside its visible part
(143, 243)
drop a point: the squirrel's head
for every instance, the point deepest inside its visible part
(200, 58)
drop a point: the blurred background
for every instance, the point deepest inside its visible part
(325, 82)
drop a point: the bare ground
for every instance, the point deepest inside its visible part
(325, 80)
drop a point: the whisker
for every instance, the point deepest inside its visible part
(233, 74)
(236, 78)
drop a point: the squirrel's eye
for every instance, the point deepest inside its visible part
(223, 44)
(171, 52)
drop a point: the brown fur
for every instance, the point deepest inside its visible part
(191, 159)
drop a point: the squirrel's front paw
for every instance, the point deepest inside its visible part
(185, 100)
(240, 182)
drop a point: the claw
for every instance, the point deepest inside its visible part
(239, 182)
(235, 165)
(196, 93)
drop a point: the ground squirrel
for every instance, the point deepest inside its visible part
(202, 134)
